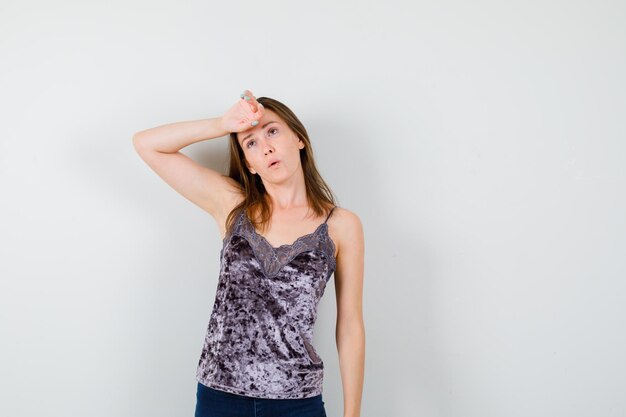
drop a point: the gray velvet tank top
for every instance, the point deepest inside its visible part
(259, 337)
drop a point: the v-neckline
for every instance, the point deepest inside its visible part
(286, 245)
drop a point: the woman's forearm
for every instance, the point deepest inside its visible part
(351, 346)
(172, 137)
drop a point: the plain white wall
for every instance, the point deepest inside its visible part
(481, 143)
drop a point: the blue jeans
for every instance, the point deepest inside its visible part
(215, 403)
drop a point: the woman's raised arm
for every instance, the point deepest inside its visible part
(209, 189)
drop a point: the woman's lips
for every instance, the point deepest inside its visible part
(274, 164)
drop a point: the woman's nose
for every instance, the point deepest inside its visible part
(267, 147)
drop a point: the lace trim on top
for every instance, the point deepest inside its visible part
(274, 259)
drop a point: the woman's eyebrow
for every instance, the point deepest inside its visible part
(262, 127)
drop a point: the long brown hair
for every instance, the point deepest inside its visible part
(319, 195)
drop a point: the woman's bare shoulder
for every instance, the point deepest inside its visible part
(345, 228)
(345, 216)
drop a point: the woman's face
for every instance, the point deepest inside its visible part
(271, 140)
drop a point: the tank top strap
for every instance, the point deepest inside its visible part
(241, 219)
(331, 212)
(237, 226)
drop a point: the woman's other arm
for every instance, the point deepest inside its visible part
(350, 330)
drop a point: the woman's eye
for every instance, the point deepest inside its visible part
(249, 142)
(273, 129)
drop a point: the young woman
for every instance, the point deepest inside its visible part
(283, 238)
